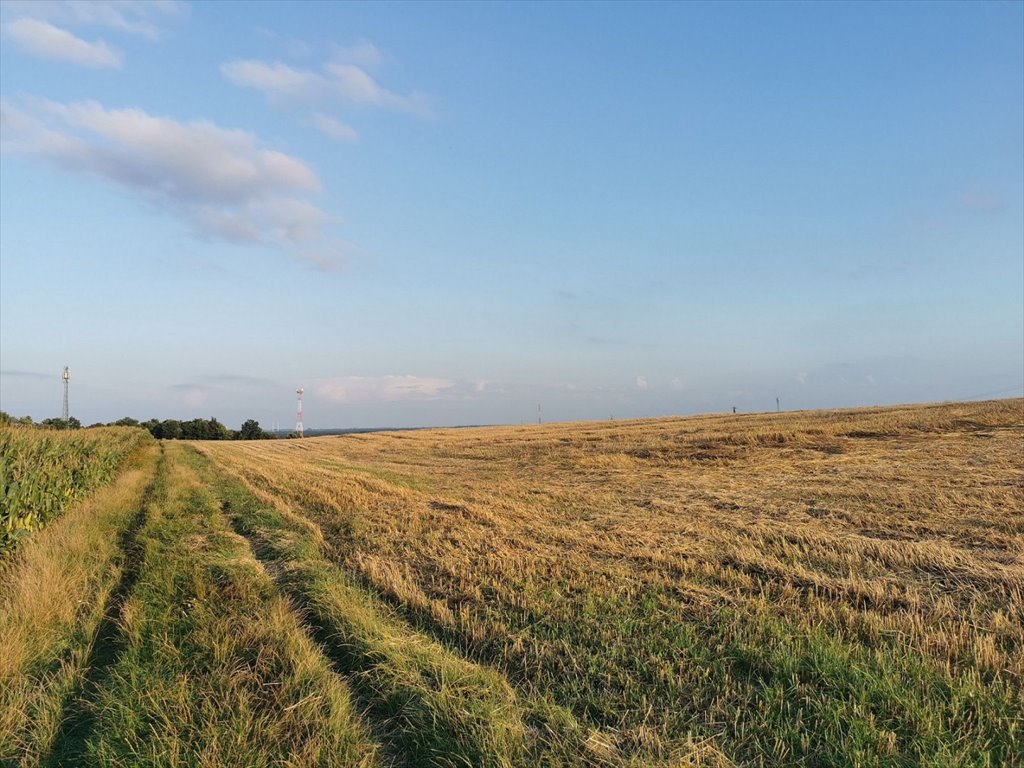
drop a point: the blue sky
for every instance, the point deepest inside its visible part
(431, 214)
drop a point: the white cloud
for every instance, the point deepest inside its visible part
(677, 383)
(801, 378)
(354, 389)
(339, 82)
(134, 17)
(224, 182)
(641, 383)
(334, 129)
(46, 41)
(293, 219)
(358, 89)
(362, 53)
(227, 225)
(279, 82)
(43, 29)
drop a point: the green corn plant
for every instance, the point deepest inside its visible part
(42, 472)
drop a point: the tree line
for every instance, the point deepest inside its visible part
(168, 429)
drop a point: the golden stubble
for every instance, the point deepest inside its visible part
(886, 525)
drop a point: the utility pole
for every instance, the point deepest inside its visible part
(298, 412)
(777, 409)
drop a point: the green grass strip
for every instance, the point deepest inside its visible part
(215, 668)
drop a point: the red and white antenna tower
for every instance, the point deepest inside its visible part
(298, 412)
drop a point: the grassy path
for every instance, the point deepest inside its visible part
(77, 720)
(216, 668)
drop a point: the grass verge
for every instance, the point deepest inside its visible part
(51, 605)
(213, 667)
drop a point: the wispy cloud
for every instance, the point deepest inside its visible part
(234, 379)
(334, 129)
(362, 53)
(29, 374)
(144, 18)
(225, 183)
(44, 29)
(46, 41)
(339, 82)
(279, 82)
(358, 89)
(353, 389)
(641, 383)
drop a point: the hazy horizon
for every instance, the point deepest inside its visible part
(440, 214)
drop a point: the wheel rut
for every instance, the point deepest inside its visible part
(391, 755)
(78, 717)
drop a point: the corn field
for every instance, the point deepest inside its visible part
(42, 471)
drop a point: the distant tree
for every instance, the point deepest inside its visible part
(217, 431)
(54, 423)
(74, 423)
(127, 421)
(251, 430)
(6, 418)
(193, 429)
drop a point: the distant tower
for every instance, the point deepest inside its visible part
(298, 412)
(538, 413)
(67, 377)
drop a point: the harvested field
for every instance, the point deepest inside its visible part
(837, 587)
